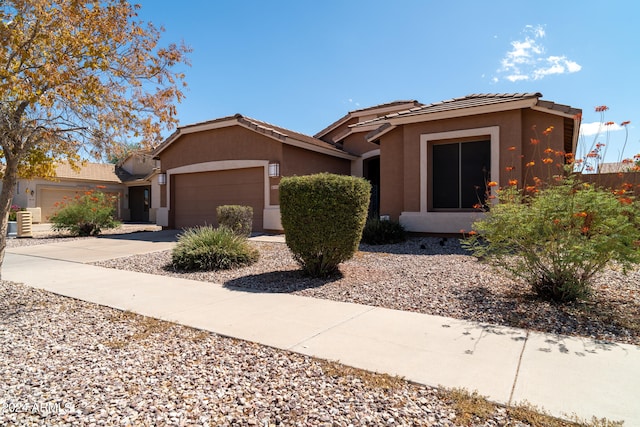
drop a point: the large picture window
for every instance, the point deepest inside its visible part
(460, 172)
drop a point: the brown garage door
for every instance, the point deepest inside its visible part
(195, 196)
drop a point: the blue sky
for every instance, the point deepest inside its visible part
(303, 64)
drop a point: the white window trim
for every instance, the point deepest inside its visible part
(494, 135)
(448, 222)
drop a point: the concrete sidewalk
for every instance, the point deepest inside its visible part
(563, 375)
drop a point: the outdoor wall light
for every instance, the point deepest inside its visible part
(162, 178)
(274, 170)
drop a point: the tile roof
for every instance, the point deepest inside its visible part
(88, 172)
(387, 104)
(126, 177)
(474, 100)
(265, 128)
(353, 113)
(282, 133)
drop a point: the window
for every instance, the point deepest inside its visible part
(460, 172)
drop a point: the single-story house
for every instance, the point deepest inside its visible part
(236, 160)
(132, 181)
(428, 164)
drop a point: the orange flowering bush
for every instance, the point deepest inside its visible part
(557, 233)
(591, 159)
(86, 214)
(558, 238)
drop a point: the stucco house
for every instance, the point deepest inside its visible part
(429, 164)
(236, 160)
(132, 181)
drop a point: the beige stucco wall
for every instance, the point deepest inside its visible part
(139, 164)
(29, 191)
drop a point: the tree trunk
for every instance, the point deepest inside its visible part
(6, 197)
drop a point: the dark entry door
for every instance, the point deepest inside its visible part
(371, 171)
(139, 202)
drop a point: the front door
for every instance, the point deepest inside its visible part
(371, 171)
(139, 202)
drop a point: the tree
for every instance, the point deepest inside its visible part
(79, 76)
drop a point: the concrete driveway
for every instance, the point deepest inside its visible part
(102, 248)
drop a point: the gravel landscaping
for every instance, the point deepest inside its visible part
(68, 362)
(434, 276)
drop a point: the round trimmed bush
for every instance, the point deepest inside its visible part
(237, 218)
(206, 248)
(323, 216)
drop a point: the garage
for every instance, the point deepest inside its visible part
(195, 196)
(49, 197)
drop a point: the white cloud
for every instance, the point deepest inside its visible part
(538, 30)
(556, 65)
(572, 66)
(515, 77)
(527, 61)
(593, 128)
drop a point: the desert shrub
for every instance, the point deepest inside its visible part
(382, 232)
(206, 248)
(86, 214)
(558, 237)
(238, 219)
(323, 216)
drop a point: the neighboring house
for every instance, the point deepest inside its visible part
(139, 174)
(429, 164)
(130, 181)
(618, 167)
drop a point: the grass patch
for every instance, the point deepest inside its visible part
(370, 379)
(473, 408)
(537, 417)
(469, 407)
(146, 326)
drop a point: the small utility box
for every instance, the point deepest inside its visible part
(25, 222)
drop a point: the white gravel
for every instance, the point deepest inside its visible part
(66, 362)
(433, 276)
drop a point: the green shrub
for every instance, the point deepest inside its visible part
(559, 237)
(206, 248)
(237, 218)
(323, 216)
(86, 214)
(383, 232)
